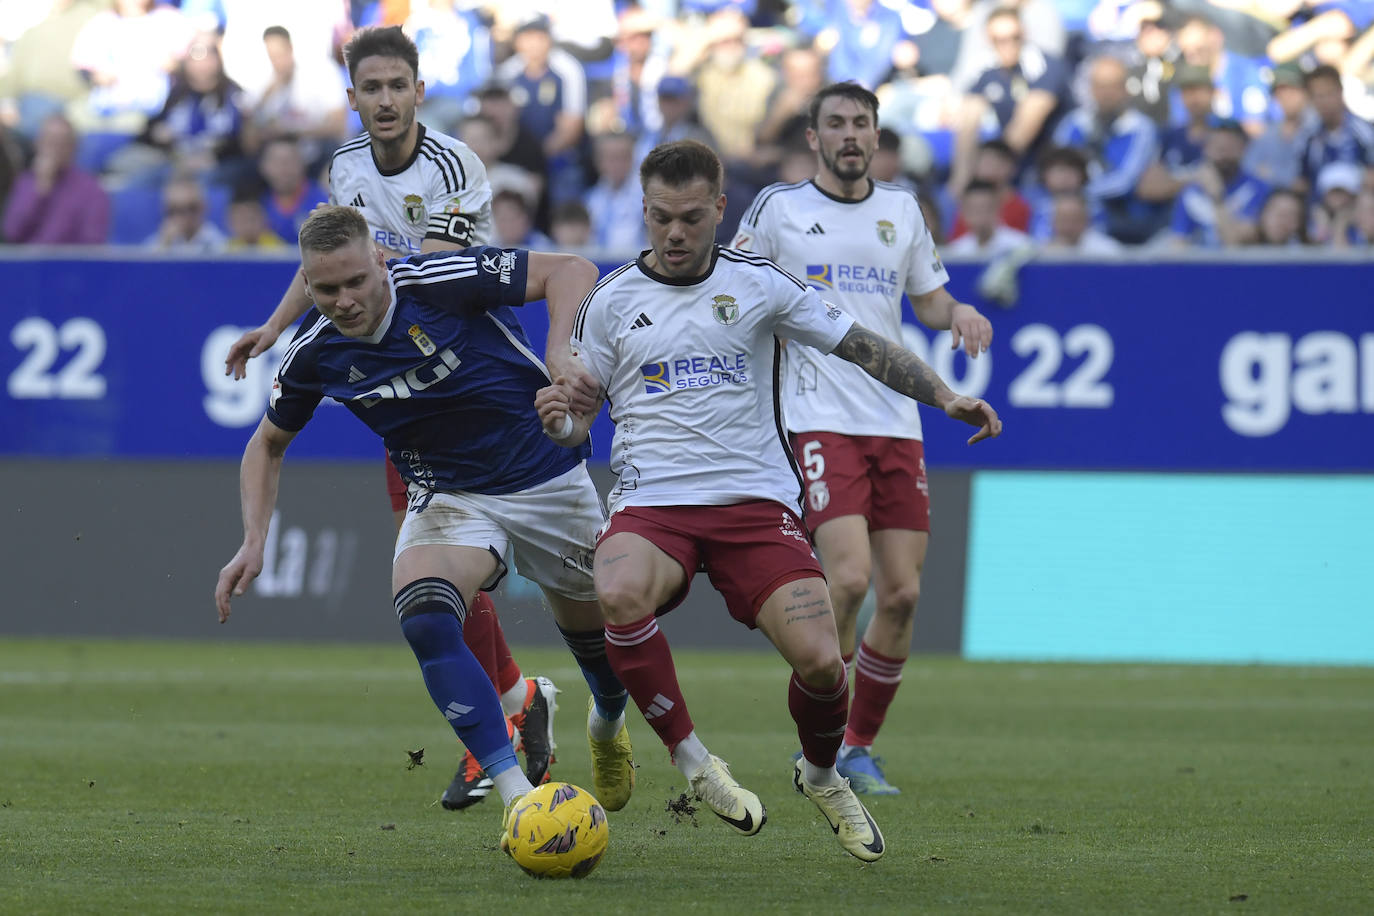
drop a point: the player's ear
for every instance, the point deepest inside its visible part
(812, 140)
(306, 281)
(720, 208)
(352, 99)
(419, 91)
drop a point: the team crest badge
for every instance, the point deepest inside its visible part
(887, 233)
(421, 340)
(415, 210)
(725, 309)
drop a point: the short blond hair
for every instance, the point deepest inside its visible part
(332, 227)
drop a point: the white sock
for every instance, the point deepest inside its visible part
(600, 728)
(846, 747)
(511, 783)
(691, 755)
(819, 776)
(513, 700)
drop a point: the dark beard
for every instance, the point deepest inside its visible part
(848, 174)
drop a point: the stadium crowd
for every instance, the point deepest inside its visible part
(1060, 125)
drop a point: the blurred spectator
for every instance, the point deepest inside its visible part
(481, 135)
(40, 79)
(1283, 219)
(616, 202)
(1363, 230)
(1152, 60)
(939, 38)
(886, 164)
(571, 227)
(734, 88)
(636, 67)
(199, 129)
(1180, 151)
(291, 194)
(935, 219)
(863, 41)
(1071, 228)
(1221, 206)
(1121, 143)
(586, 29)
(318, 29)
(1338, 135)
(798, 163)
(248, 229)
(514, 143)
(549, 87)
(1022, 96)
(1333, 215)
(512, 222)
(455, 57)
(802, 73)
(1062, 170)
(1275, 156)
(986, 237)
(127, 55)
(677, 109)
(1044, 29)
(1241, 93)
(1331, 21)
(305, 100)
(996, 165)
(11, 163)
(184, 229)
(54, 202)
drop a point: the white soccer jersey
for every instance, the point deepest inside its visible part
(442, 192)
(860, 255)
(690, 370)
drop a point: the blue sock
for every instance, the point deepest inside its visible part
(589, 648)
(431, 613)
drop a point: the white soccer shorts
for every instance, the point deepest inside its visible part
(548, 530)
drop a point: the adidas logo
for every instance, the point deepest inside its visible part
(457, 710)
(814, 230)
(658, 706)
(355, 374)
(357, 201)
(642, 321)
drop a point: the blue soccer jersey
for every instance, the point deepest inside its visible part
(448, 379)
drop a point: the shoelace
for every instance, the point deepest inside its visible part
(846, 805)
(717, 791)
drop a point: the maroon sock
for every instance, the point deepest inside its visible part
(876, 679)
(639, 654)
(820, 714)
(477, 630)
(508, 673)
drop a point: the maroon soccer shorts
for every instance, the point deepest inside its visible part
(395, 487)
(749, 550)
(882, 479)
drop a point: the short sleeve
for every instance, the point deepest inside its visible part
(296, 390)
(458, 185)
(475, 278)
(925, 271)
(756, 231)
(590, 341)
(1182, 222)
(803, 316)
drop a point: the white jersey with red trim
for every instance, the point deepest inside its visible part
(861, 255)
(441, 192)
(691, 370)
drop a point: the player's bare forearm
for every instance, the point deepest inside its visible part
(940, 311)
(259, 475)
(894, 365)
(567, 282)
(934, 309)
(561, 423)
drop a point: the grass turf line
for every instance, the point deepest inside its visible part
(246, 778)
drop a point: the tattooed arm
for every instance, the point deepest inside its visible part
(904, 372)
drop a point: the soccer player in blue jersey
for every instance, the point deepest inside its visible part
(427, 353)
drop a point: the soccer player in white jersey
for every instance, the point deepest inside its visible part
(421, 191)
(861, 243)
(683, 343)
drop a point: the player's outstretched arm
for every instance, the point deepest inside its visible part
(258, 477)
(564, 280)
(940, 311)
(294, 303)
(561, 423)
(906, 373)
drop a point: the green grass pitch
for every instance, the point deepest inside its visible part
(244, 778)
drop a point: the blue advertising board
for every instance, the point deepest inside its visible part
(1150, 366)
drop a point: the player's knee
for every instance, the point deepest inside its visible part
(822, 667)
(899, 603)
(623, 601)
(848, 585)
(428, 610)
